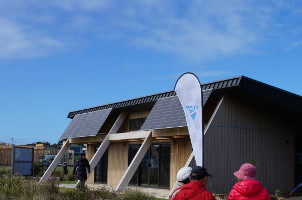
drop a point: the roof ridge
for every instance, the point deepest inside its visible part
(271, 86)
(172, 93)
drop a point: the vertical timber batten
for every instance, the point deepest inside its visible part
(55, 162)
(206, 129)
(105, 144)
(135, 163)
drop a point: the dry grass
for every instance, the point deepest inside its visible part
(19, 188)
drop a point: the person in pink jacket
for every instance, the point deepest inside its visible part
(247, 187)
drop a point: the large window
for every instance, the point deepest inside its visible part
(154, 170)
(101, 169)
(136, 124)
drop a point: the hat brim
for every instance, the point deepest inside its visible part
(210, 175)
(242, 177)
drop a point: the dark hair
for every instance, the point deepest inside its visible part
(196, 177)
(186, 181)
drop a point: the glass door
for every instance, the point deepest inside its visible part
(101, 169)
(154, 170)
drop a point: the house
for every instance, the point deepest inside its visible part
(144, 141)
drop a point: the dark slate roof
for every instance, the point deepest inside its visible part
(244, 86)
(168, 113)
(232, 82)
(86, 124)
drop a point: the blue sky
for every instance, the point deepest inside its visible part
(63, 55)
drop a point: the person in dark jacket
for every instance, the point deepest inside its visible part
(195, 190)
(80, 169)
(65, 170)
(247, 187)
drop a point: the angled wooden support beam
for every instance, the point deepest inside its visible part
(105, 144)
(206, 130)
(55, 162)
(118, 123)
(135, 163)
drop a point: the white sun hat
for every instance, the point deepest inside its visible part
(183, 173)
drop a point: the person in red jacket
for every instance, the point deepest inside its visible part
(247, 187)
(195, 190)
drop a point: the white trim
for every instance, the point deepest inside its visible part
(129, 135)
(135, 163)
(55, 162)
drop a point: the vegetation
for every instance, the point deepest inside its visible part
(19, 188)
(5, 170)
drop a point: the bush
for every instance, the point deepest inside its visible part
(56, 173)
(5, 171)
(70, 177)
(18, 188)
(101, 194)
(134, 195)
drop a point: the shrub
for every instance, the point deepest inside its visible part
(18, 188)
(37, 169)
(4, 171)
(56, 173)
(70, 177)
(134, 195)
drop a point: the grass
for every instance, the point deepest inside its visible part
(67, 182)
(60, 169)
(5, 170)
(19, 188)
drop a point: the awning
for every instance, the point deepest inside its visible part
(86, 124)
(168, 113)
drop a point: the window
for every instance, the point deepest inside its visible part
(101, 169)
(136, 124)
(154, 170)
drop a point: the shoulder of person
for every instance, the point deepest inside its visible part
(207, 194)
(265, 192)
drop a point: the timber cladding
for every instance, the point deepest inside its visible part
(181, 149)
(117, 162)
(241, 132)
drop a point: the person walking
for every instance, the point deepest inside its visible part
(195, 190)
(247, 187)
(183, 177)
(80, 169)
(65, 169)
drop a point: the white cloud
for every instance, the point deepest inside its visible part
(193, 30)
(76, 5)
(16, 41)
(201, 74)
(206, 29)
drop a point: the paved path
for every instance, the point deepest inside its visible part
(67, 185)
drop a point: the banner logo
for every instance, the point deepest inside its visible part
(192, 111)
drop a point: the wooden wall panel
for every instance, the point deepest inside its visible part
(141, 114)
(181, 149)
(117, 162)
(244, 133)
(125, 126)
(89, 154)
